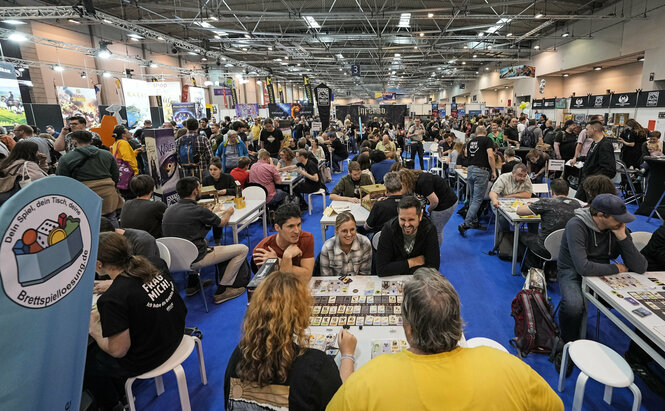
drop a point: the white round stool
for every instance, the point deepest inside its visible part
(601, 363)
(487, 342)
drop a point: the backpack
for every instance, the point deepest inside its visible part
(242, 278)
(528, 137)
(186, 155)
(535, 329)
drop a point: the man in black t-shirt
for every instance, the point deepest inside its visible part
(511, 133)
(600, 157)
(204, 129)
(186, 219)
(565, 141)
(480, 161)
(142, 213)
(271, 138)
(339, 151)
(385, 209)
(554, 213)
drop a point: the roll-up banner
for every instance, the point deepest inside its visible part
(78, 101)
(137, 101)
(11, 105)
(323, 102)
(162, 162)
(50, 232)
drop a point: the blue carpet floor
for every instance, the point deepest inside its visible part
(483, 282)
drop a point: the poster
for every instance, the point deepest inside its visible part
(620, 119)
(137, 101)
(50, 231)
(212, 111)
(394, 113)
(247, 110)
(308, 88)
(301, 109)
(521, 71)
(623, 100)
(322, 94)
(183, 111)
(579, 102)
(11, 106)
(77, 101)
(162, 162)
(198, 95)
(279, 110)
(169, 91)
(271, 90)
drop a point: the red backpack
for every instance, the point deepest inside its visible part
(535, 329)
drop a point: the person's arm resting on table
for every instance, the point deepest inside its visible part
(304, 271)
(116, 345)
(575, 236)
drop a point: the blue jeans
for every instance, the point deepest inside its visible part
(277, 199)
(478, 180)
(440, 218)
(572, 310)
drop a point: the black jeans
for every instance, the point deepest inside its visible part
(535, 249)
(104, 377)
(417, 148)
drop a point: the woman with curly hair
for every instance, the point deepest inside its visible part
(272, 368)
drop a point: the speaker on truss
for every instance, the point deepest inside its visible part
(89, 7)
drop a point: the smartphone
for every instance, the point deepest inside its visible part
(642, 312)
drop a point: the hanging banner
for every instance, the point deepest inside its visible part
(212, 111)
(322, 94)
(50, 231)
(281, 94)
(11, 105)
(393, 113)
(651, 99)
(234, 97)
(162, 162)
(198, 95)
(279, 110)
(76, 101)
(299, 109)
(168, 92)
(549, 103)
(521, 71)
(137, 101)
(579, 102)
(435, 109)
(271, 90)
(308, 88)
(623, 100)
(600, 101)
(183, 111)
(247, 110)
(537, 104)
(560, 103)
(442, 112)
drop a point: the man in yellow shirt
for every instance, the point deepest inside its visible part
(437, 374)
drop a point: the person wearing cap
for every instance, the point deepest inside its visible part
(565, 141)
(592, 241)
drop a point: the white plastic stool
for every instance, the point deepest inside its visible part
(482, 341)
(172, 364)
(601, 363)
(322, 193)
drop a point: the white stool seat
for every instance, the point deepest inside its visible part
(172, 364)
(601, 363)
(322, 193)
(487, 342)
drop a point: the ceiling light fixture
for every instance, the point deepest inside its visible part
(565, 34)
(204, 24)
(191, 53)
(311, 22)
(509, 34)
(404, 20)
(565, 74)
(421, 34)
(217, 37)
(487, 69)
(489, 47)
(475, 55)
(430, 15)
(464, 63)
(640, 58)
(269, 48)
(415, 47)
(74, 21)
(207, 83)
(597, 68)
(83, 75)
(58, 68)
(204, 59)
(14, 22)
(536, 47)
(106, 74)
(247, 36)
(539, 15)
(160, 38)
(17, 37)
(153, 65)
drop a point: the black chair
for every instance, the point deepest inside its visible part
(316, 272)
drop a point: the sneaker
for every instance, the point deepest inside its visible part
(228, 294)
(193, 288)
(462, 230)
(478, 226)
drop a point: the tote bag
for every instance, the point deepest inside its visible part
(126, 172)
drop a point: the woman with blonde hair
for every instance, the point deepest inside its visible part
(272, 367)
(347, 253)
(442, 199)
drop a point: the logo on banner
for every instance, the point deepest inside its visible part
(622, 101)
(323, 96)
(579, 102)
(599, 101)
(45, 251)
(652, 98)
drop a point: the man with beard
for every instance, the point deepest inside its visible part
(348, 187)
(408, 241)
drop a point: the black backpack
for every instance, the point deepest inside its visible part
(528, 137)
(535, 329)
(242, 278)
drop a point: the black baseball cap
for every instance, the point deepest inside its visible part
(568, 123)
(613, 206)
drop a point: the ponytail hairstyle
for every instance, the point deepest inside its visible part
(114, 251)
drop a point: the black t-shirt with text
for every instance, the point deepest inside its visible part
(153, 313)
(272, 141)
(477, 149)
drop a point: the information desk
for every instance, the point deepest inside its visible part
(359, 212)
(507, 209)
(648, 290)
(376, 301)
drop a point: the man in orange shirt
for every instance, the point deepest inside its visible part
(241, 173)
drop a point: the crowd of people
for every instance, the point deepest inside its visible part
(272, 363)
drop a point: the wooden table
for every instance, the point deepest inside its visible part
(598, 290)
(359, 212)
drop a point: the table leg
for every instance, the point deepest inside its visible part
(265, 221)
(516, 243)
(235, 234)
(323, 232)
(457, 184)
(496, 227)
